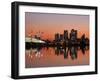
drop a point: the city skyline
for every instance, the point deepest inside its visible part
(50, 24)
(56, 40)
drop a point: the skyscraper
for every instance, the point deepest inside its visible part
(61, 37)
(57, 36)
(65, 35)
(73, 36)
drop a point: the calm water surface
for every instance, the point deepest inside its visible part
(56, 56)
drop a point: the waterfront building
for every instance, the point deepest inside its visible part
(73, 36)
(61, 37)
(65, 35)
(57, 36)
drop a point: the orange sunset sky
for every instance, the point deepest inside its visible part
(51, 23)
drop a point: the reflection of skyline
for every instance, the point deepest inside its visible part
(49, 24)
(56, 56)
(73, 51)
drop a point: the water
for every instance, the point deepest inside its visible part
(56, 56)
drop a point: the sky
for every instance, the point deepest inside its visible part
(48, 24)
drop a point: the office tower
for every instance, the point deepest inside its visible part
(57, 36)
(73, 35)
(65, 35)
(61, 37)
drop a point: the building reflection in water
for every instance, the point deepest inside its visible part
(60, 50)
(72, 51)
(36, 51)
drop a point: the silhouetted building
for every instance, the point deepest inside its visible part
(73, 36)
(37, 37)
(65, 35)
(87, 41)
(57, 36)
(61, 37)
(83, 41)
